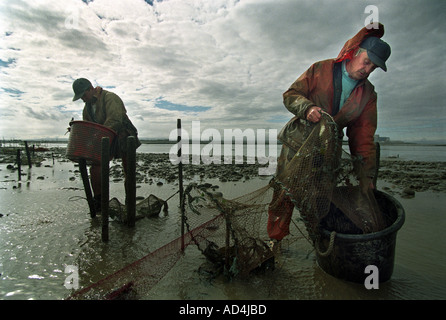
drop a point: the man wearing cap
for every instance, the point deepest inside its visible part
(339, 87)
(105, 108)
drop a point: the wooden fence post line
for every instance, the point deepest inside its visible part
(378, 156)
(130, 181)
(28, 155)
(227, 242)
(180, 178)
(87, 188)
(19, 165)
(105, 187)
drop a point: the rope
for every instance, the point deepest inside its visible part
(330, 245)
(171, 196)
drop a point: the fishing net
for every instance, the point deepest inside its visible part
(321, 178)
(235, 240)
(146, 208)
(319, 183)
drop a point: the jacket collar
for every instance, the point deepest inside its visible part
(97, 92)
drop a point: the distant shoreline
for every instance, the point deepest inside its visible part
(405, 176)
(166, 141)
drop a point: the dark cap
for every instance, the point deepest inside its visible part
(377, 50)
(79, 87)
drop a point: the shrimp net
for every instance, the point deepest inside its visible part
(320, 181)
(146, 208)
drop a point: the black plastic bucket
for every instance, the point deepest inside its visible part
(350, 254)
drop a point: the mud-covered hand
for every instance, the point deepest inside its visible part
(314, 114)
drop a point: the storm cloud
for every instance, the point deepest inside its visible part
(223, 62)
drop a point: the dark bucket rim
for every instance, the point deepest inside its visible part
(393, 228)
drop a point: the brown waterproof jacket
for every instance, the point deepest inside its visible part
(358, 114)
(110, 112)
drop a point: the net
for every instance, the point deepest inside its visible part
(320, 180)
(235, 240)
(146, 208)
(321, 177)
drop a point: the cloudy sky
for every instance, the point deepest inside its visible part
(225, 63)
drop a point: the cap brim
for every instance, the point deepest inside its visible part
(78, 96)
(376, 60)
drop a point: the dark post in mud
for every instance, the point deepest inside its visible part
(28, 155)
(87, 188)
(227, 242)
(378, 155)
(180, 178)
(105, 187)
(19, 165)
(130, 181)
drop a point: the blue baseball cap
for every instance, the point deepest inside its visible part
(377, 50)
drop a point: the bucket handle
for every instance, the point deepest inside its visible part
(330, 245)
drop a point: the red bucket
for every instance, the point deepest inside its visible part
(85, 141)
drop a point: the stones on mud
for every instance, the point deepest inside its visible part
(414, 176)
(408, 193)
(406, 177)
(159, 168)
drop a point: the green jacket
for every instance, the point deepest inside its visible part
(111, 112)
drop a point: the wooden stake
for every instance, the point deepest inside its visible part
(105, 187)
(28, 155)
(19, 165)
(130, 181)
(87, 188)
(180, 178)
(227, 243)
(378, 156)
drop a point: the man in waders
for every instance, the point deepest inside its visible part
(340, 88)
(105, 108)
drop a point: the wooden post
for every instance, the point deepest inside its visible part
(227, 243)
(130, 181)
(105, 187)
(84, 174)
(28, 155)
(378, 156)
(19, 165)
(180, 178)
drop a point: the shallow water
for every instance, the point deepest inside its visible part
(46, 226)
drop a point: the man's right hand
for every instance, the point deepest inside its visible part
(314, 114)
